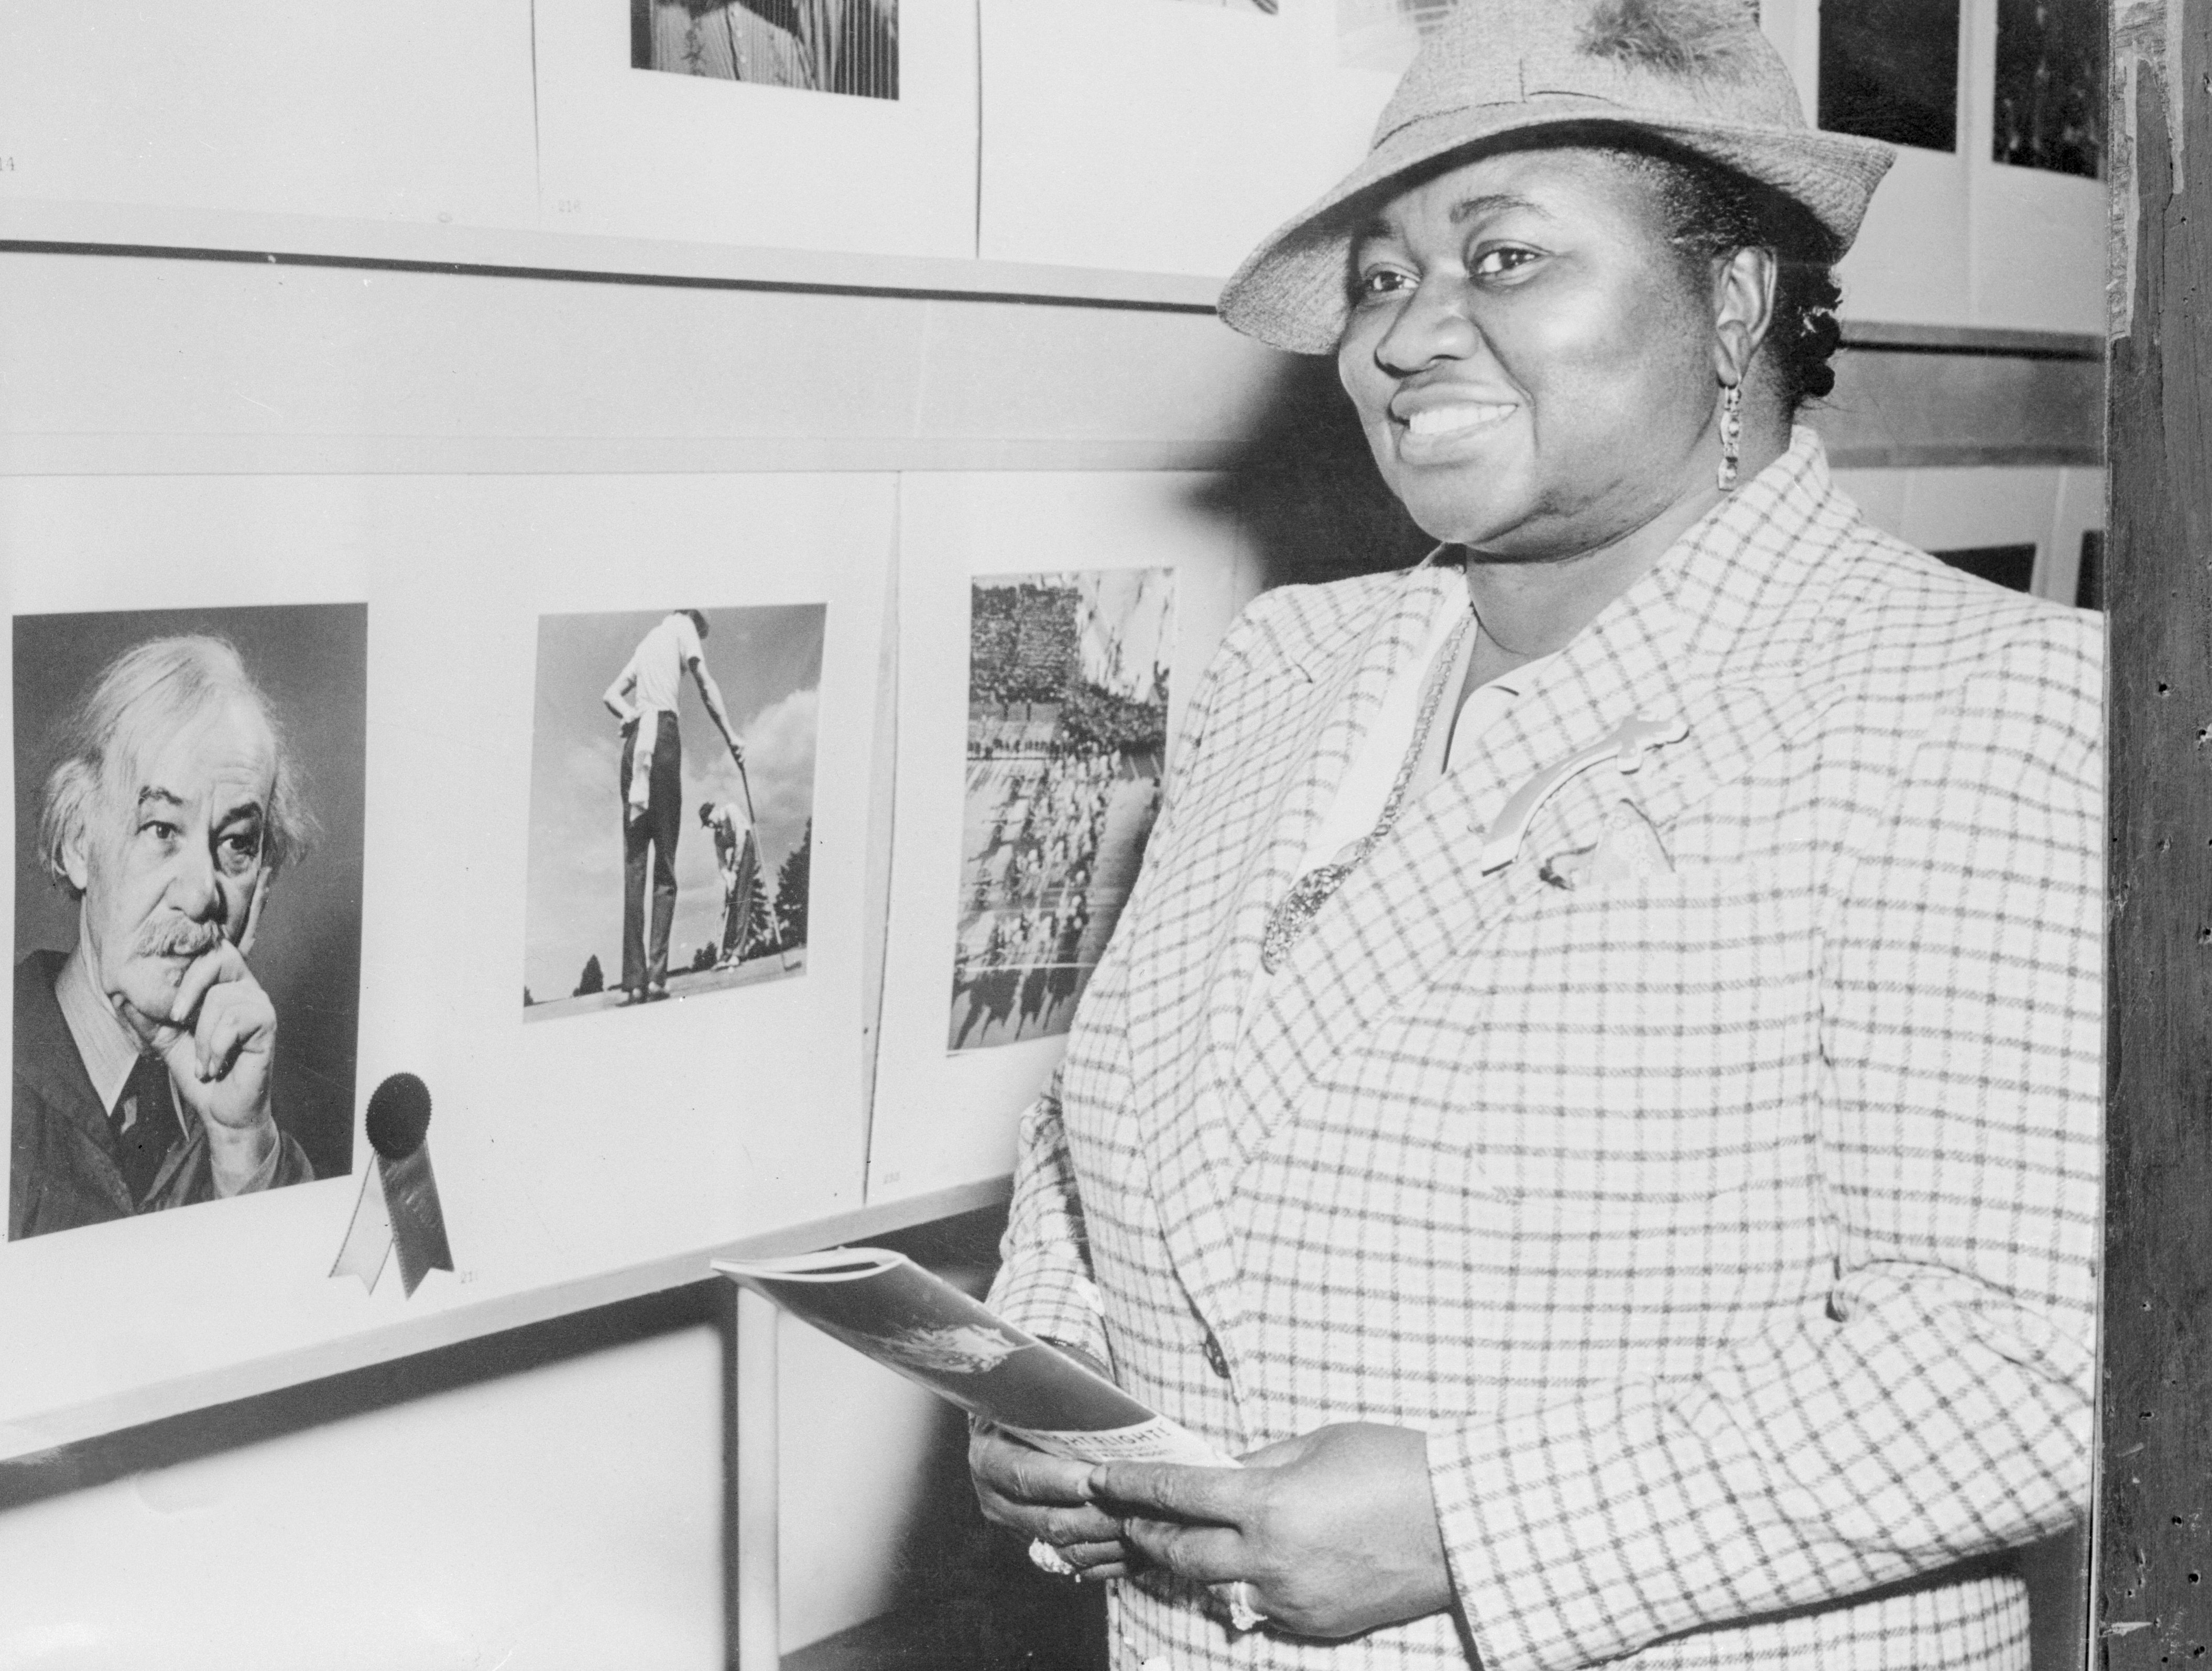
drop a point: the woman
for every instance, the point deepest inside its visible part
(1594, 1096)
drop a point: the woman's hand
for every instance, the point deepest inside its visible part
(1335, 1530)
(1040, 1496)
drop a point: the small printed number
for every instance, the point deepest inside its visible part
(7, 165)
(891, 1178)
(567, 205)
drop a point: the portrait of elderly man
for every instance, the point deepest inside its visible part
(145, 1053)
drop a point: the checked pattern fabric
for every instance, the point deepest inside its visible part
(1730, 1230)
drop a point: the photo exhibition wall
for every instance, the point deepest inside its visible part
(694, 707)
(630, 135)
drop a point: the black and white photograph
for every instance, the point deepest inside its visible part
(1889, 70)
(671, 803)
(189, 811)
(1068, 705)
(1469, 738)
(2051, 86)
(846, 47)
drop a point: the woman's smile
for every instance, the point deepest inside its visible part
(1444, 426)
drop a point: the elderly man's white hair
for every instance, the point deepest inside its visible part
(146, 693)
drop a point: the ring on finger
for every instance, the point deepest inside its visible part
(1046, 1558)
(1244, 1613)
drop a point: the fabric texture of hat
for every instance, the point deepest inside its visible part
(1697, 72)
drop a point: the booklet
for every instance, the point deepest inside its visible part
(884, 1305)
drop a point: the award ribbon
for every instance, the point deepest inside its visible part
(399, 1208)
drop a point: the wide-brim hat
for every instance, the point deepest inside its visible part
(1697, 73)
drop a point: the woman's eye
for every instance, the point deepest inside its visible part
(1495, 263)
(1379, 281)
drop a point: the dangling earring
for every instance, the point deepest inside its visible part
(1731, 435)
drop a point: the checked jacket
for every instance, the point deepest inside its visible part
(1729, 1230)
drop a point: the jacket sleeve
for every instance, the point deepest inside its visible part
(1045, 1283)
(1940, 1406)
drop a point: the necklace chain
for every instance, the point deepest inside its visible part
(1295, 914)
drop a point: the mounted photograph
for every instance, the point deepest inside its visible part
(847, 46)
(189, 806)
(672, 805)
(1068, 705)
(2051, 82)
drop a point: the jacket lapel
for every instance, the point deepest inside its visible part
(1713, 636)
(1233, 849)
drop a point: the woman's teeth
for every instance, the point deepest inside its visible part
(1449, 420)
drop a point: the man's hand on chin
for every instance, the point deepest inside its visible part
(219, 1039)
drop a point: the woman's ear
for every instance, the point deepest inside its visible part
(1743, 310)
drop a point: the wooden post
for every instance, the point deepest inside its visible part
(2152, 1554)
(759, 1624)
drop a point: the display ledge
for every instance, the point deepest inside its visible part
(90, 228)
(574, 455)
(38, 226)
(157, 454)
(27, 1434)
(1990, 341)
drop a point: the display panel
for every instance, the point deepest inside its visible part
(562, 1151)
(809, 124)
(1145, 135)
(405, 111)
(1141, 579)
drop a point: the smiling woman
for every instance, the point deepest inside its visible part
(1594, 1097)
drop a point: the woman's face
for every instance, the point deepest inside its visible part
(1533, 367)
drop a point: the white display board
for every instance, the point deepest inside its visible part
(403, 110)
(1157, 136)
(943, 1115)
(564, 1147)
(648, 153)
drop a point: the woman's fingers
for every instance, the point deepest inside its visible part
(1022, 1473)
(1206, 1554)
(1171, 1491)
(1094, 1560)
(1041, 1496)
(1064, 1527)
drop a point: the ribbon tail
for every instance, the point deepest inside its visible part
(369, 1237)
(418, 1224)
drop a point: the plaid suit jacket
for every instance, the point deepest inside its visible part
(1730, 1232)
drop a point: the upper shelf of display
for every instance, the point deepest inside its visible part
(298, 239)
(1034, 149)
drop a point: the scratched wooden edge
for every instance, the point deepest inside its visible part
(26, 1435)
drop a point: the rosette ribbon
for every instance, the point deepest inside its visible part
(399, 1211)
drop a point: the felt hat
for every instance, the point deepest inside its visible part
(1697, 73)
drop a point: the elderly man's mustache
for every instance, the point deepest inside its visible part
(178, 937)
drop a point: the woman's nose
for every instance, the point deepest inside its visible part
(1432, 325)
